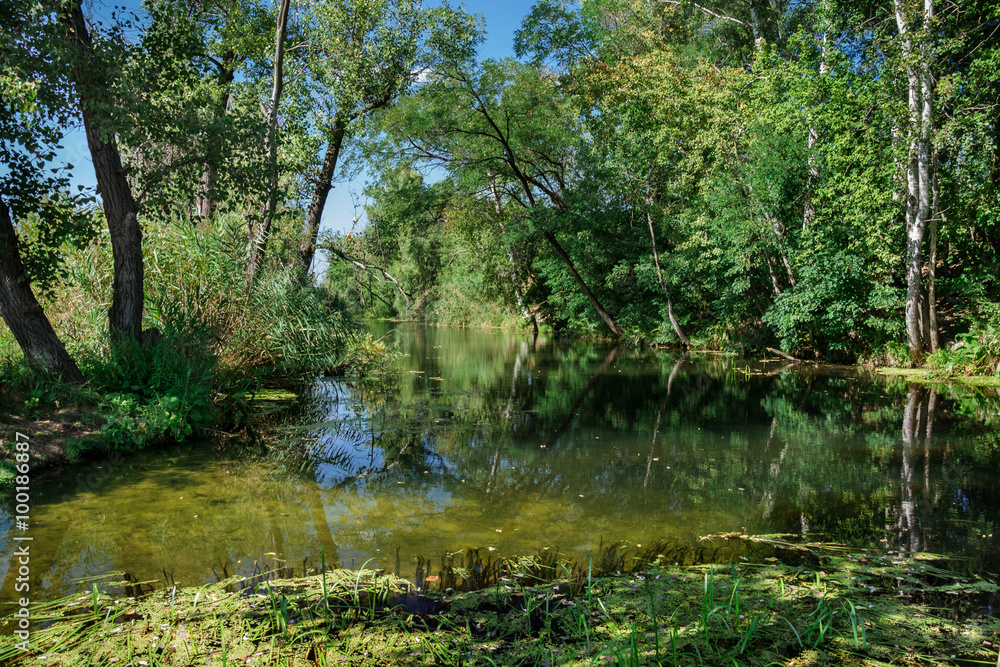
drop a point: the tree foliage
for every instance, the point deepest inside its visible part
(819, 177)
(738, 170)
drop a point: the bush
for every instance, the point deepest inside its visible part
(217, 343)
(834, 310)
(973, 353)
(894, 354)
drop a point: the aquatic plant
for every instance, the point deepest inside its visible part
(858, 609)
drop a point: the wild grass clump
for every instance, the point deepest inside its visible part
(287, 331)
(209, 344)
(27, 391)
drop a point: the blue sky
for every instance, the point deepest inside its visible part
(502, 19)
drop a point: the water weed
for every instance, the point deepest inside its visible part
(706, 616)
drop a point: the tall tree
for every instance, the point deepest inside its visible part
(229, 29)
(363, 56)
(190, 125)
(261, 230)
(30, 129)
(916, 56)
(22, 312)
(91, 77)
(508, 126)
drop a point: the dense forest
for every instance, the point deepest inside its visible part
(817, 176)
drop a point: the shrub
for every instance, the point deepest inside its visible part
(973, 353)
(218, 343)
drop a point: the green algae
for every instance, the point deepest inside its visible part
(845, 608)
(275, 395)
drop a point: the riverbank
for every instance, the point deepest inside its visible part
(171, 392)
(59, 435)
(937, 376)
(844, 609)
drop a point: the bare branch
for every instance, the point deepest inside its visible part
(708, 11)
(330, 247)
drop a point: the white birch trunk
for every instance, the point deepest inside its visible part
(921, 117)
(260, 233)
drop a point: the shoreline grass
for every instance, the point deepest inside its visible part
(853, 609)
(937, 376)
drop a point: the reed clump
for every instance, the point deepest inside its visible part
(210, 345)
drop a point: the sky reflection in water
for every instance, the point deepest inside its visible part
(498, 442)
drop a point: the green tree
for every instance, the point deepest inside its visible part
(92, 68)
(189, 135)
(260, 231)
(363, 57)
(506, 127)
(30, 129)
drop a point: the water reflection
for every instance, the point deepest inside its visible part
(508, 443)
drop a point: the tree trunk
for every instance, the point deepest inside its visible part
(758, 33)
(663, 285)
(605, 315)
(775, 285)
(205, 203)
(925, 170)
(935, 337)
(809, 210)
(674, 323)
(22, 312)
(921, 116)
(120, 208)
(259, 233)
(925, 318)
(307, 248)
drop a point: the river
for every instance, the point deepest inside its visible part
(509, 445)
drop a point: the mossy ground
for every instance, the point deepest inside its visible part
(849, 610)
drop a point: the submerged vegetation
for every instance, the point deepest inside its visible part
(835, 608)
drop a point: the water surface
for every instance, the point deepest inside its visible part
(509, 444)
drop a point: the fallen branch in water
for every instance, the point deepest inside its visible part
(783, 354)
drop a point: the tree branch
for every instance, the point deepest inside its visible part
(708, 11)
(366, 267)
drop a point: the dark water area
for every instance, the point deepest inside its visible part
(506, 444)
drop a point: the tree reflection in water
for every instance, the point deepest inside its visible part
(504, 443)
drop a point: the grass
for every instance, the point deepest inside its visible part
(218, 354)
(938, 376)
(848, 610)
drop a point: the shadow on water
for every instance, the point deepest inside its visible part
(483, 448)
